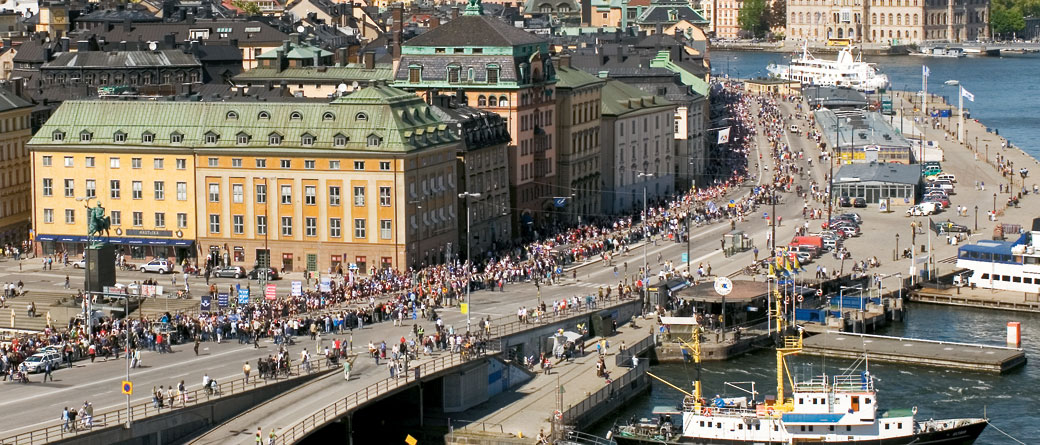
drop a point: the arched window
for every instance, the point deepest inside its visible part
(492, 101)
(898, 36)
(263, 115)
(503, 101)
(481, 101)
(295, 116)
(873, 18)
(361, 116)
(899, 19)
(841, 33)
(915, 21)
(906, 20)
(328, 116)
(231, 115)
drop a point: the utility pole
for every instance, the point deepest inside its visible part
(469, 255)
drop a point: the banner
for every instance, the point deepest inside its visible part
(271, 292)
(724, 135)
(243, 295)
(297, 288)
(222, 299)
(204, 305)
(967, 95)
(326, 284)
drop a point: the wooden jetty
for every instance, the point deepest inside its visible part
(915, 351)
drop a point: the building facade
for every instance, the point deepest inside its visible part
(637, 133)
(15, 166)
(505, 70)
(577, 140)
(305, 186)
(722, 17)
(896, 22)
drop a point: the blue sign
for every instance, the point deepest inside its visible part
(204, 305)
(560, 202)
(944, 113)
(222, 299)
(783, 282)
(243, 295)
(685, 257)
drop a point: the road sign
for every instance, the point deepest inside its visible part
(819, 292)
(410, 440)
(685, 257)
(560, 202)
(128, 387)
(723, 286)
(271, 292)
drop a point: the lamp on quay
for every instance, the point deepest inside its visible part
(646, 236)
(469, 252)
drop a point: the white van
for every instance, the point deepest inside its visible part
(922, 209)
(946, 177)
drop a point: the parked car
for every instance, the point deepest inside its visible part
(951, 227)
(80, 263)
(852, 215)
(845, 201)
(230, 272)
(859, 202)
(38, 362)
(158, 266)
(931, 171)
(922, 209)
(794, 128)
(272, 274)
(849, 231)
(946, 177)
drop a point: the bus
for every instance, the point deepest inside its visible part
(839, 42)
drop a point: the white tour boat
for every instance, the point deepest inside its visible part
(847, 71)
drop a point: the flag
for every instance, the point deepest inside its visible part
(772, 271)
(724, 135)
(925, 71)
(967, 95)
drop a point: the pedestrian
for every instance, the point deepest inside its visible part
(88, 414)
(259, 433)
(245, 370)
(197, 341)
(65, 419)
(47, 369)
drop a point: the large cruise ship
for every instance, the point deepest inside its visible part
(846, 71)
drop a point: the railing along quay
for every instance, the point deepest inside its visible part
(305, 426)
(146, 408)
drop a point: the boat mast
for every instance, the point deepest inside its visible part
(789, 345)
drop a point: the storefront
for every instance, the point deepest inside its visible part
(131, 248)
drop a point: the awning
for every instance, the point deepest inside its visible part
(119, 240)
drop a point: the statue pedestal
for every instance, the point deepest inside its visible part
(101, 267)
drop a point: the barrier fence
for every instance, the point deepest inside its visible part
(571, 415)
(146, 408)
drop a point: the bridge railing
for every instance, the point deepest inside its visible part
(297, 431)
(145, 408)
(502, 330)
(571, 415)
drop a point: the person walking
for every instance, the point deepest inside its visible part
(65, 419)
(197, 341)
(259, 436)
(47, 369)
(346, 369)
(245, 370)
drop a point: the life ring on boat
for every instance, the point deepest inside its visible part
(707, 411)
(557, 415)
(787, 299)
(801, 298)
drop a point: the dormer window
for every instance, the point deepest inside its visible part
(242, 138)
(263, 115)
(328, 116)
(295, 116)
(307, 139)
(119, 136)
(231, 115)
(361, 116)
(374, 140)
(148, 137)
(414, 74)
(274, 139)
(176, 137)
(211, 137)
(454, 73)
(339, 140)
(58, 135)
(85, 136)
(492, 74)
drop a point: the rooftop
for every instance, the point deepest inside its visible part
(858, 128)
(475, 30)
(879, 172)
(619, 98)
(119, 59)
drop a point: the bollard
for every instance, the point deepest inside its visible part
(1014, 334)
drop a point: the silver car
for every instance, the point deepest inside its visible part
(38, 362)
(158, 266)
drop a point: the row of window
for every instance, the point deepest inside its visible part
(310, 226)
(115, 189)
(1010, 279)
(242, 138)
(310, 194)
(116, 218)
(181, 163)
(296, 116)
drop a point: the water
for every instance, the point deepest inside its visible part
(1007, 96)
(1010, 401)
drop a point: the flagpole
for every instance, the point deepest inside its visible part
(960, 111)
(924, 90)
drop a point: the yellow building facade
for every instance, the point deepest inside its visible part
(15, 177)
(305, 186)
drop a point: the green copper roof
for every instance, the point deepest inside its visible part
(296, 51)
(377, 119)
(382, 71)
(574, 78)
(620, 98)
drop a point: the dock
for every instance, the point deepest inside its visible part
(915, 351)
(978, 297)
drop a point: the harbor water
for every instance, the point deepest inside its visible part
(1007, 95)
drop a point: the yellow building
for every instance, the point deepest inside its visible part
(314, 186)
(15, 189)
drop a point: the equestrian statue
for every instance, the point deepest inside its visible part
(97, 223)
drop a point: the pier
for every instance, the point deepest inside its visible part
(979, 298)
(964, 356)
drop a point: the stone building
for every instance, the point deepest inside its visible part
(15, 165)
(578, 140)
(896, 22)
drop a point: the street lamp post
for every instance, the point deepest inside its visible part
(976, 218)
(897, 246)
(418, 247)
(646, 239)
(469, 252)
(994, 205)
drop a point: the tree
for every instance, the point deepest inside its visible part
(778, 14)
(1004, 20)
(754, 17)
(249, 8)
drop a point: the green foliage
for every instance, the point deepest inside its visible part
(1004, 21)
(778, 14)
(754, 17)
(247, 7)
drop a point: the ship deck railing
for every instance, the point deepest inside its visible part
(729, 411)
(839, 383)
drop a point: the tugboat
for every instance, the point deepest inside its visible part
(840, 409)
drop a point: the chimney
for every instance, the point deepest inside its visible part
(434, 21)
(281, 59)
(83, 45)
(398, 29)
(17, 84)
(65, 44)
(370, 59)
(586, 12)
(624, 14)
(565, 61)
(460, 97)
(454, 12)
(122, 45)
(659, 28)
(317, 59)
(128, 25)
(190, 18)
(47, 52)
(294, 38)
